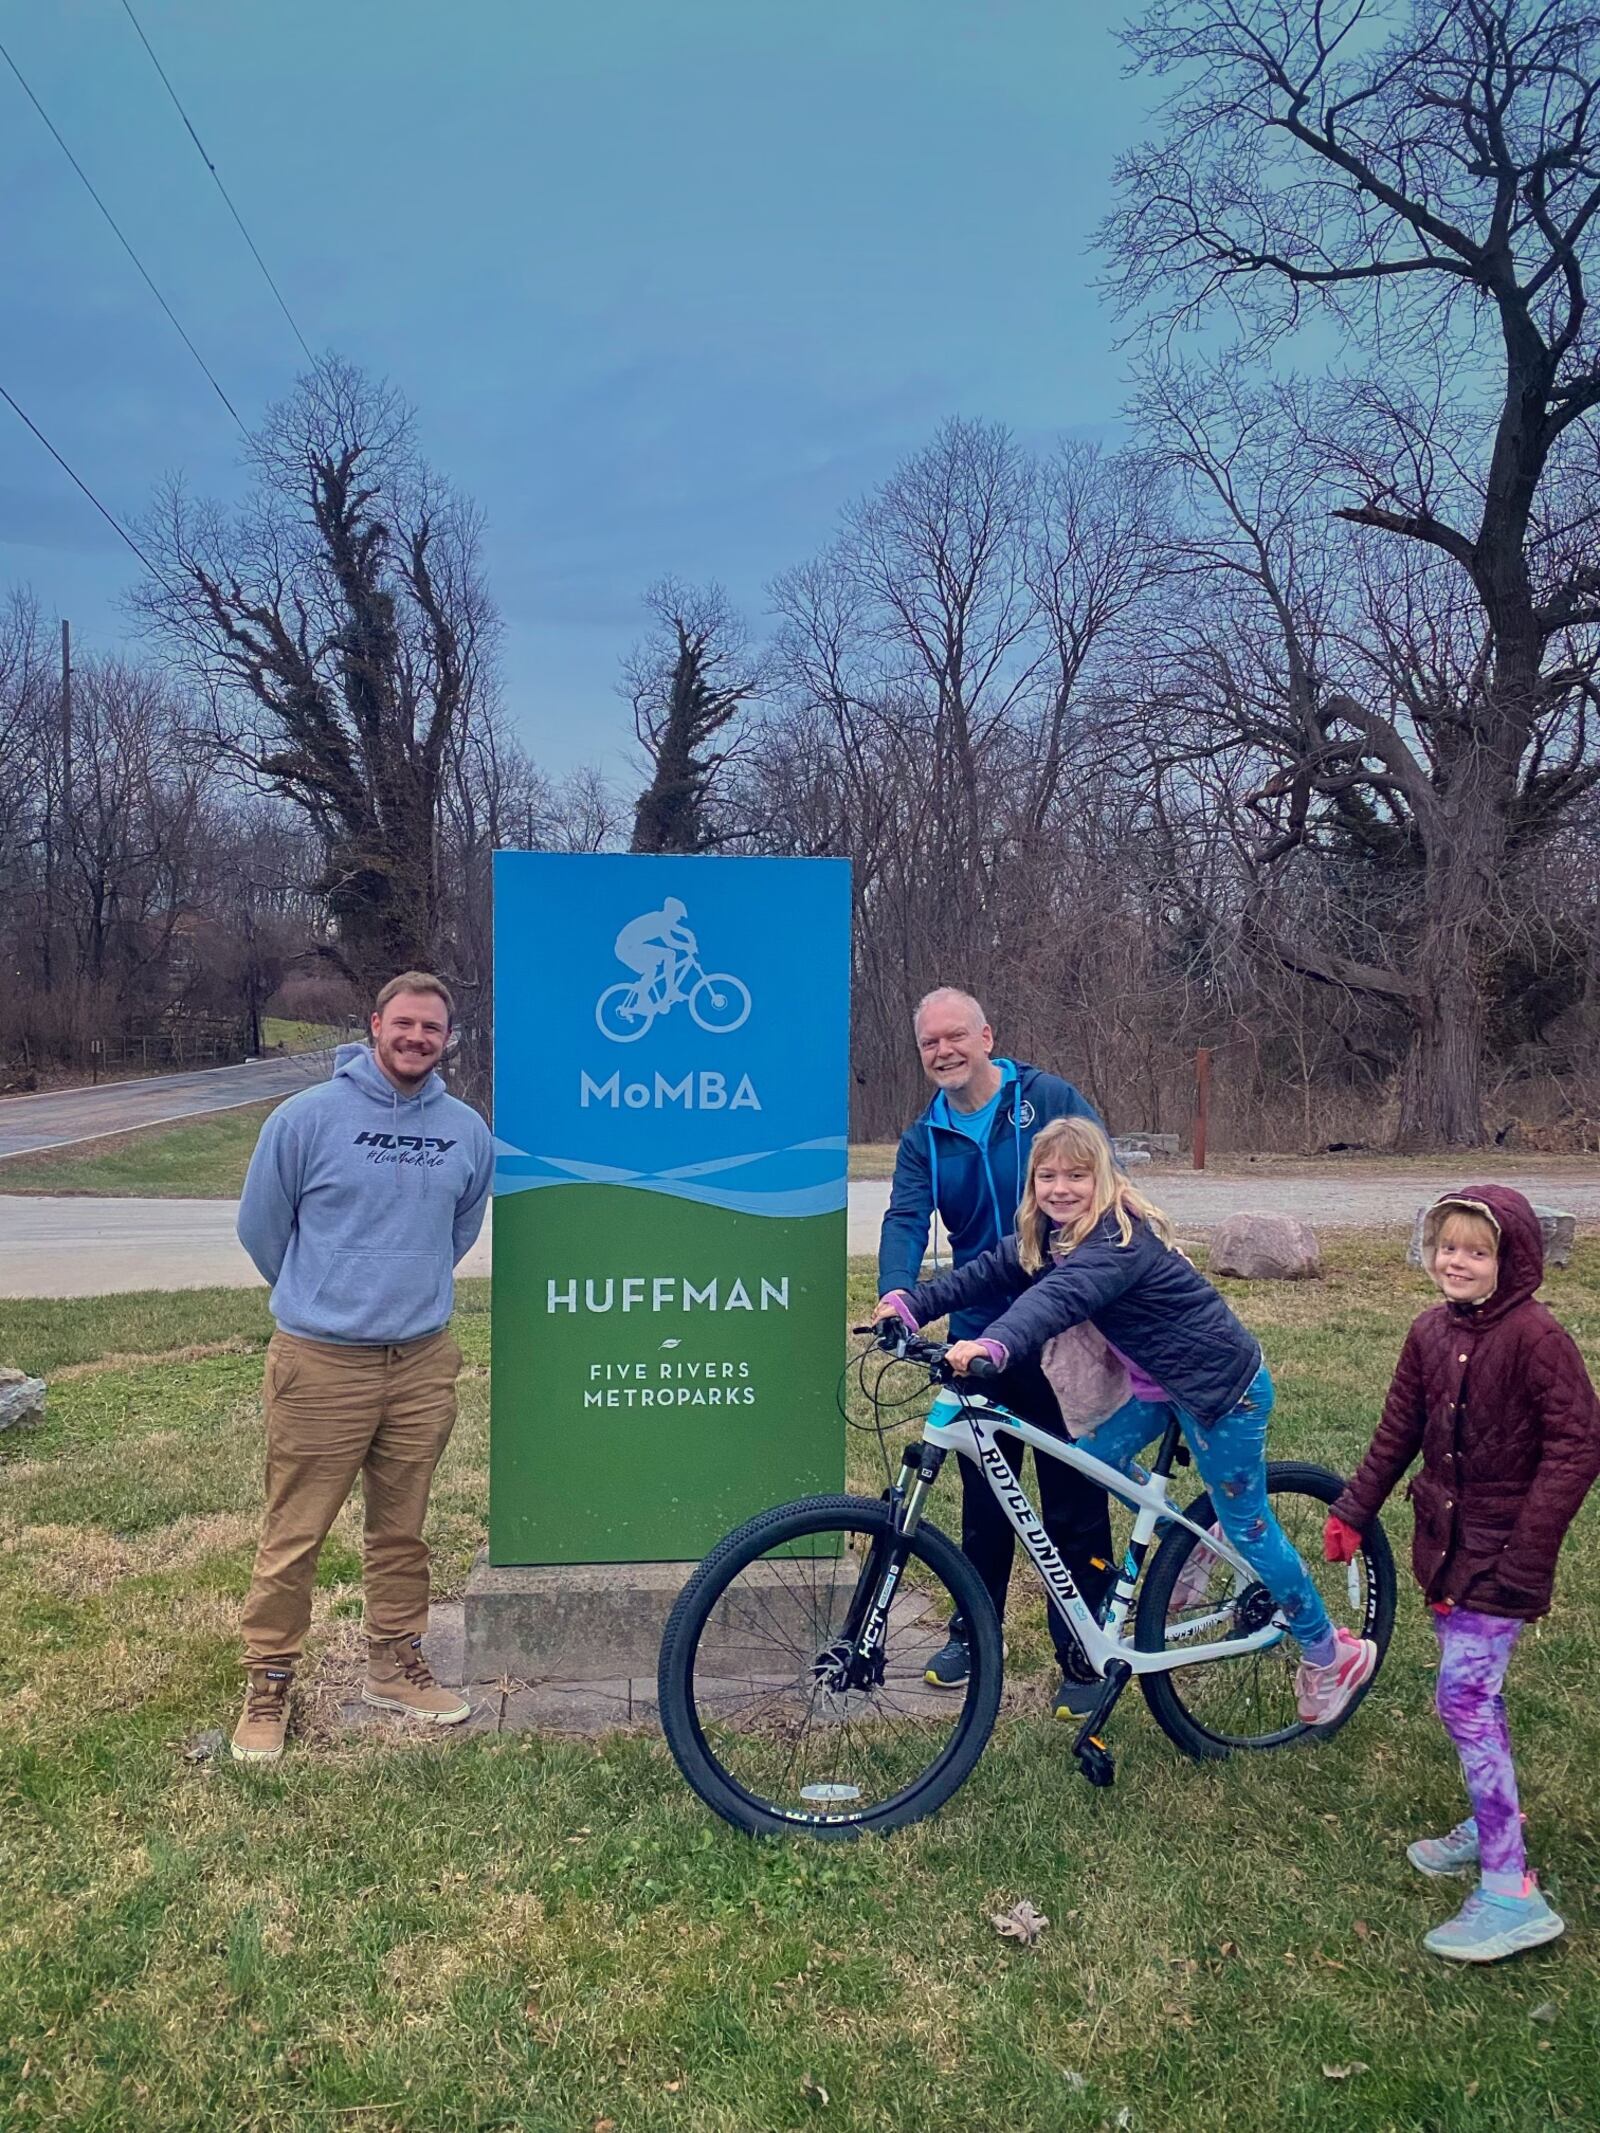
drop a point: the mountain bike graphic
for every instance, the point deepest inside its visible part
(661, 948)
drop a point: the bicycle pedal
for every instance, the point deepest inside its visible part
(1097, 1762)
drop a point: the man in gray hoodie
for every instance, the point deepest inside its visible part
(362, 1196)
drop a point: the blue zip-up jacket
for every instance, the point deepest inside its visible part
(359, 1202)
(975, 1190)
(1144, 1296)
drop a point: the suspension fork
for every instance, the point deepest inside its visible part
(866, 1624)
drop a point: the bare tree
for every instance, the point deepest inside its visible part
(938, 669)
(341, 627)
(1429, 179)
(688, 684)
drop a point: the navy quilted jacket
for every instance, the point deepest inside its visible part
(1144, 1296)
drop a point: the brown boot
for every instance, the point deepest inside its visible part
(258, 1737)
(398, 1679)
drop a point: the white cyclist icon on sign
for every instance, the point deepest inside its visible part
(659, 946)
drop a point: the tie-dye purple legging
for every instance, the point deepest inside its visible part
(1474, 1652)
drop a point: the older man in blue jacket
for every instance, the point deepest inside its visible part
(966, 1159)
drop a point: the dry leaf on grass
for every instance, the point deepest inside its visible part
(1022, 1922)
(1546, 2011)
(813, 2089)
(1343, 2073)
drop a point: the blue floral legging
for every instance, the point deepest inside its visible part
(1231, 1455)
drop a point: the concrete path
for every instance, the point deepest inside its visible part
(88, 1247)
(84, 1247)
(57, 1118)
(1339, 1199)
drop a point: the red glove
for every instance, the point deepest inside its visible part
(1340, 1543)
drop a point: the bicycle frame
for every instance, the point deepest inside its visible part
(667, 987)
(967, 1422)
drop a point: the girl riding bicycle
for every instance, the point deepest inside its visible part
(1089, 1247)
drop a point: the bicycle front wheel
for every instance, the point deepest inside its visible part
(761, 1707)
(720, 1003)
(1194, 1596)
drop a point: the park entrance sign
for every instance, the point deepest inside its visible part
(671, 1049)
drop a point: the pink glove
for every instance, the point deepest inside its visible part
(1340, 1543)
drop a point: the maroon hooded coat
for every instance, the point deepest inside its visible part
(1497, 1400)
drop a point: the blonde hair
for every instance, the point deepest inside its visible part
(1080, 1140)
(1463, 1225)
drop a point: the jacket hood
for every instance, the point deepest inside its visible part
(1521, 1244)
(357, 1064)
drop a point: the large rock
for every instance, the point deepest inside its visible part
(21, 1398)
(1558, 1226)
(1151, 1143)
(1261, 1247)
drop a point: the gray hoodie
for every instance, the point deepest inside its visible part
(360, 1201)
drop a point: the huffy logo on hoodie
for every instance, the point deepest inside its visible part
(424, 1148)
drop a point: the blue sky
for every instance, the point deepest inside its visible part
(667, 283)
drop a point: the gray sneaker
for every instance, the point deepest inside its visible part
(1442, 1856)
(951, 1664)
(1488, 1928)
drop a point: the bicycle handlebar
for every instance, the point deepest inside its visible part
(897, 1339)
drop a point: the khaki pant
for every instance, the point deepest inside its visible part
(334, 1412)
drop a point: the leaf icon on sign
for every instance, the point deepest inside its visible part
(672, 1344)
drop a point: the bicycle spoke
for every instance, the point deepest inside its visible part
(1250, 1701)
(780, 1725)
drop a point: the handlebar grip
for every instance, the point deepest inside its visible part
(982, 1367)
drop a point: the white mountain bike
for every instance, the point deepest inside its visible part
(791, 1677)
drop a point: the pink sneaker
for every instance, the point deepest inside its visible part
(1324, 1693)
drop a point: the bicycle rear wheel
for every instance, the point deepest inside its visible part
(622, 1013)
(1249, 1702)
(752, 1679)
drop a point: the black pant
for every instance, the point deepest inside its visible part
(1073, 1511)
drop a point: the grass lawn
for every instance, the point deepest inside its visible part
(544, 1934)
(206, 1159)
(872, 1159)
(280, 1035)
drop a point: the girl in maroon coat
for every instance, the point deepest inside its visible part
(1493, 1393)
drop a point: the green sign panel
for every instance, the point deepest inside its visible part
(671, 1044)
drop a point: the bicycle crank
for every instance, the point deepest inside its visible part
(1094, 1758)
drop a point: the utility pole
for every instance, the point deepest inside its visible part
(58, 822)
(1202, 1104)
(66, 734)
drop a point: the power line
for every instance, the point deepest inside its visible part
(122, 240)
(114, 523)
(217, 179)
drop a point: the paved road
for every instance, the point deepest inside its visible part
(58, 1117)
(83, 1247)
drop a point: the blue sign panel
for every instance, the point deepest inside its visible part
(671, 1073)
